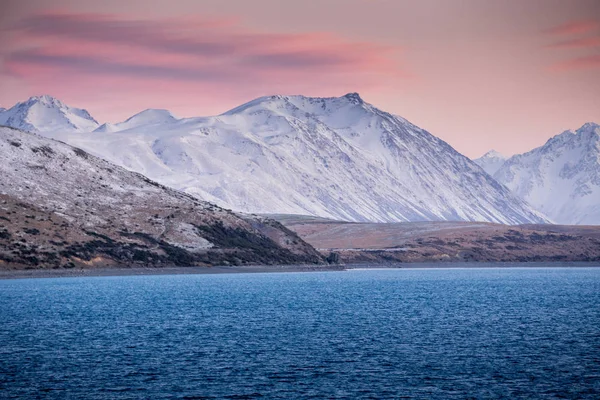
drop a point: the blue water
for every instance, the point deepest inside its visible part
(430, 334)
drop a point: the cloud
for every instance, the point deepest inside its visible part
(92, 65)
(170, 36)
(195, 64)
(579, 63)
(191, 49)
(574, 27)
(577, 43)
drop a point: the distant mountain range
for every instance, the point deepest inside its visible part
(561, 178)
(334, 157)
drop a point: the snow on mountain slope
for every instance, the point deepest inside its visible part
(99, 200)
(143, 119)
(491, 161)
(332, 157)
(560, 178)
(47, 114)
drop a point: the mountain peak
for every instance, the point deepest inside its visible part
(106, 127)
(491, 161)
(354, 98)
(590, 125)
(589, 132)
(591, 128)
(152, 115)
(46, 100)
(305, 103)
(47, 114)
(493, 154)
(560, 178)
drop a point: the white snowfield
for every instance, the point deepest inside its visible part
(560, 178)
(338, 158)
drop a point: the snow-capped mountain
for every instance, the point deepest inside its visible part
(145, 118)
(332, 157)
(491, 161)
(45, 114)
(560, 178)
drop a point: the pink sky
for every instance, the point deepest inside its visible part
(479, 74)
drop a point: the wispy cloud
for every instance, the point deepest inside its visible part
(93, 65)
(593, 41)
(583, 35)
(574, 28)
(201, 36)
(197, 51)
(579, 63)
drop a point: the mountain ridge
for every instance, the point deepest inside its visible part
(561, 178)
(43, 114)
(336, 157)
(150, 116)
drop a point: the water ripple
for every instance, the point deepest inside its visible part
(415, 334)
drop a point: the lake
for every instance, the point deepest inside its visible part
(397, 333)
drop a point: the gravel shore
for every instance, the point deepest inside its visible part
(65, 273)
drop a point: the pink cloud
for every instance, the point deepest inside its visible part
(577, 43)
(78, 53)
(574, 27)
(116, 97)
(582, 43)
(579, 63)
(187, 60)
(70, 62)
(96, 36)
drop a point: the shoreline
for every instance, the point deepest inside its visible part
(138, 271)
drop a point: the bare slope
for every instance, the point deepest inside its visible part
(60, 206)
(447, 241)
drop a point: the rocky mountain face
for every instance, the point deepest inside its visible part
(332, 157)
(47, 114)
(560, 178)
(491, 161)
(63, 207)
